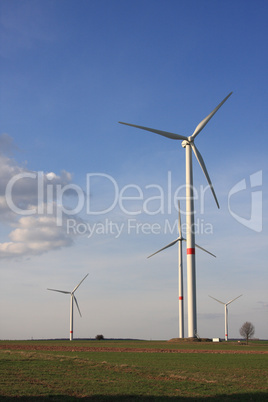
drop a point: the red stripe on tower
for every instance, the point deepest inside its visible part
(71, 332)
(180, 297)
(190, 250)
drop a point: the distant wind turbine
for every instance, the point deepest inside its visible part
(179, 240)
(188, 144)
(73, 298)
(226, 313)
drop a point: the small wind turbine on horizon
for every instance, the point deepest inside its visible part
(226, 313)
(188, 144)
(73, 298)
(179, 240)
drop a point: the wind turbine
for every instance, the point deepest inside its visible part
(179, 240)
(73, 298)
(226, 313)
(188, 144)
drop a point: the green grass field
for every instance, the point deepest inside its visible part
(132, 371)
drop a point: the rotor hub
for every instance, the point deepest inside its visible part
(185, 143)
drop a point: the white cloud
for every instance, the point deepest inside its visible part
(33, 236)
(32, 233)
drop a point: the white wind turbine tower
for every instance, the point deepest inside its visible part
(226, 313)
(73, 298)
(179, 240)
(188, 144)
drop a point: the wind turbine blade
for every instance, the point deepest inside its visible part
(79, 283)
(164, 133)
(169, 245)
(233, 300)
(202, 124)
(203, 167)
(217, 300)
(76, 302)
(179, 221)
(61, 291)
(201, 248)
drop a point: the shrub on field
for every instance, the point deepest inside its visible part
(99, 337)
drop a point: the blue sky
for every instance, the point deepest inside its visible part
(69, 72)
